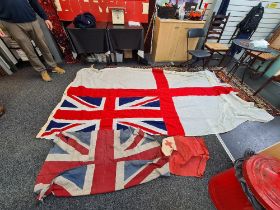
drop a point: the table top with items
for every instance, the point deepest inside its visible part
(248, 45)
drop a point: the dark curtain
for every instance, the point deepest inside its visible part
(58, 31)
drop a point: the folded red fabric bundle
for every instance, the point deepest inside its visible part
(188, 155)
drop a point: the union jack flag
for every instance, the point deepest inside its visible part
(84, 114)
(82, 163)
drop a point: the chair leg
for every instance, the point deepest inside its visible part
(223, 58)
(203, 63)
(221, 61)
(186, 62)
(233, 70)
(195, 61)
(260, 65)
(255, 73)
(224, 66)
(182, 64)
(243, 76)
(252, 61)
(264, 85)
(210, 58)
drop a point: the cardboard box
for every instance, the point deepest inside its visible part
(127, 54)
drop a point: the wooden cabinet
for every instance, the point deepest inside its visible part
(170, 39)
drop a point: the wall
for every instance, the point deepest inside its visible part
(239, 9)
(135, 10)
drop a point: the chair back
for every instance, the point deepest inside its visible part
(216, 27)
(195, 33)
(274, 39)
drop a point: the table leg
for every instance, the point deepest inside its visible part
(227, 54)
(243, 76)
(254, 72)
(233, 70)
(238, 64)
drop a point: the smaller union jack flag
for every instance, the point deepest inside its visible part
(83, 163)
(72, 105)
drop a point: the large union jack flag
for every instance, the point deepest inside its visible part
(102, 161)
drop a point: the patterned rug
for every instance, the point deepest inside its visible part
(246, 93)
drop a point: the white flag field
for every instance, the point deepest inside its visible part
(154, 100)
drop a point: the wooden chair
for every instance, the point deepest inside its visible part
(215, 32)
(275, 78)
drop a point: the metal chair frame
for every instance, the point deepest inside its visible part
(195, 33)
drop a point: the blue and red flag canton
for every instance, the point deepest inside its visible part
(88, 111)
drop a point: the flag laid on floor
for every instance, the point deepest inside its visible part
(156, 101)
(101, 161)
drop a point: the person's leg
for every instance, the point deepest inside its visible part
(19, 32)
(39, 39)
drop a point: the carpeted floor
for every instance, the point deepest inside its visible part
(29, 101)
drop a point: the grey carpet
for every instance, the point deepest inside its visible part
(29, 101)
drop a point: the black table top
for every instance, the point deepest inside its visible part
(245, 44)
(99, 25)
(103, 25)
(125, 26)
